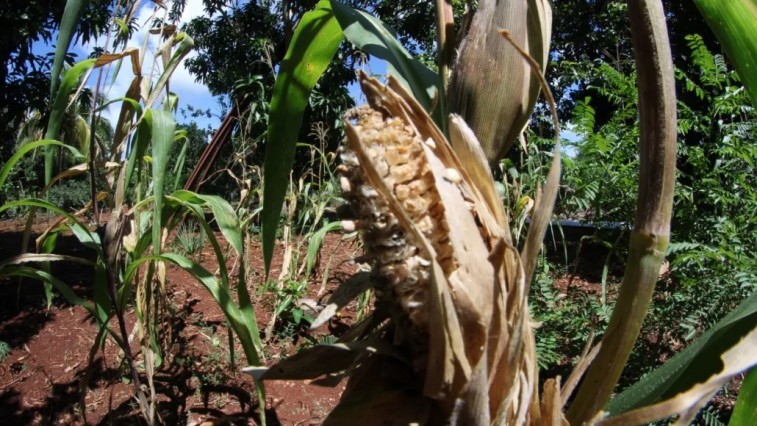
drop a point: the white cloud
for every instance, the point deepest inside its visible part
(193, 9)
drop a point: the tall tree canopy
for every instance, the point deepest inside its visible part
(588, 31)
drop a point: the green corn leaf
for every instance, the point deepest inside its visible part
(227, 220)
(8, 166)
(180, 159)
(376, 38)
(185, 45)
(313, 45)
(63, 288)
(315, 242)
(692, 365)
(232, 232)
(141, 142)
(162, 129)
(193, 203)
(84, 235)
(43, 257)
(734, 22)
(745, 410)
(70, 80)
(220, 293)
(71, 15)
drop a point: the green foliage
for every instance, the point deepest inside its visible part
(5, 350)
(714, 261)
(710, 417)
(568, 320)
(72, 194)
(713, 266)
(587, 32)
(190, 237)
(241, 48)
(601, 180)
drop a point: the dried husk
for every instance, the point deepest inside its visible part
(450, 338)
(443, 264)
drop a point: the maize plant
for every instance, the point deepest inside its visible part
(450, 339)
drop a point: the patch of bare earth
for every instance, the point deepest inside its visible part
(41, 378)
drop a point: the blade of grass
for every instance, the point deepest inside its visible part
(313, 45)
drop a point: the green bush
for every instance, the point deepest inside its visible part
(70, 194)
(713, 266)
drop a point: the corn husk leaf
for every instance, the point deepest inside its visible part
(492, 88)
(687, 404)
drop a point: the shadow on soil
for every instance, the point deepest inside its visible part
(174, 384)
(23, 311)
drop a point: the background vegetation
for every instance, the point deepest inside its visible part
(241, 46)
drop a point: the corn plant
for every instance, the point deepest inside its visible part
(130, 265)
(450, 339)
(190, 238)
(303, 233)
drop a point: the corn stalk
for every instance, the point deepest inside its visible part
(651, 233)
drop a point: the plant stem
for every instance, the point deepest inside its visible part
(649, 239)
(445, 38)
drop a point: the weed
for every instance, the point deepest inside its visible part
(190, 237)
(5, 350)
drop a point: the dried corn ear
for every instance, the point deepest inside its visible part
(450, 339)
(430, 236)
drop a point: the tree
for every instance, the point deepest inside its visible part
(24, 74)
(588, 31)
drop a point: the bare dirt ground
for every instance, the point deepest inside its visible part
(41, 376)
